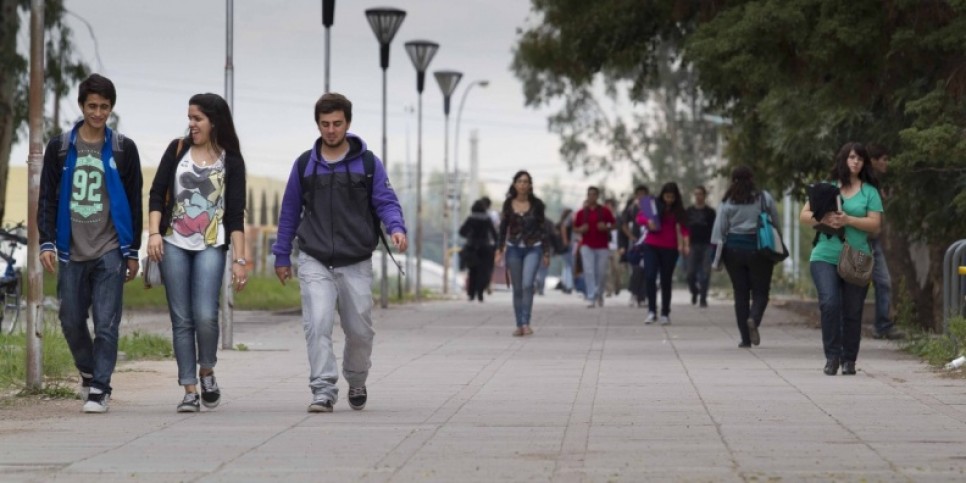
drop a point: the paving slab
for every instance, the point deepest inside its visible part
(595, 395)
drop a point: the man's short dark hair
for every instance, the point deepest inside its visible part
(331, 102)
(702, 189)
(594, 189)
(876, 151)
(96, 84)
(640, 187)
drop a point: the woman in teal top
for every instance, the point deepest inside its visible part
(839, 301)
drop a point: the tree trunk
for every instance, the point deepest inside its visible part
(9, 24)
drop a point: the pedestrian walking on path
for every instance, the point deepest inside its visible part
(885, 327)
(662, 245)
(336, 194)
(750, 273)
(524, 244)
(701, 218)
(89, 221)
(197, 211)
(841, 302)
(478, 251)
(594, 222)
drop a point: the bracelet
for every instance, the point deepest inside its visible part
(152, 234)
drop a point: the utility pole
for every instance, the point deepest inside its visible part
(35, 162)
(227, 312)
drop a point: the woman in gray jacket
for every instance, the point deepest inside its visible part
(736, 227)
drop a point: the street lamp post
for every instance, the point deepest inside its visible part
(385, 23)
(456, 157)
(447, 80)
(227, 303)
(421, 52)
(328, 18)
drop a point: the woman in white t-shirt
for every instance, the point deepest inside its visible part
(197, 207)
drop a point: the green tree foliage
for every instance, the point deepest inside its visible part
(62, 71)
(797, 79)
(616, 109)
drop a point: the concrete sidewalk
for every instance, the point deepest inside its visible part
(594, 395)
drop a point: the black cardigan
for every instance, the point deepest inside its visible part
(161, 198)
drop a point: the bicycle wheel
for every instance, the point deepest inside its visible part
(11, 304)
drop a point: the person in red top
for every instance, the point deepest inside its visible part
(594, 222)
(661, 247)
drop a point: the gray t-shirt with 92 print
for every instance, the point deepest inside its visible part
(92, 232)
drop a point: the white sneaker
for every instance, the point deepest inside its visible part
(651, 318)
(97, 402)
(665, 320)
(85, 387)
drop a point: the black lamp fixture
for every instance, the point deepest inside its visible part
(421, 52)
(385, 22)
(447, 80)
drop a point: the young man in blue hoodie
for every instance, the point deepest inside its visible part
(332, 207)
(89, 221)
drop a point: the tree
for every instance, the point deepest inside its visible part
(797, 79)
(653, 117)
(62, 71)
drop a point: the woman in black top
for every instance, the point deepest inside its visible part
(523, 239)
(477, 253)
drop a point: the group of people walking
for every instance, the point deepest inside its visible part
(90, 225)
(337, 195)
(653, 232)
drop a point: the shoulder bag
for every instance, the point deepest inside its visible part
(770, 243)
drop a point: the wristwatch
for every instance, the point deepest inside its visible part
(241, 261)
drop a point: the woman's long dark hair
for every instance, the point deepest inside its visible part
(677, 207)
(841, 171)
(222, 126)
(742, 190)
(535, 204)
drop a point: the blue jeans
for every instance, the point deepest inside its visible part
(193, 286)
(523, 263)
(567, 273)
(841, 305)
(883, 288)
(96, 286)
(596, 262)
(699, 269)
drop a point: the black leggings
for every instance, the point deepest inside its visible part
(659, 260)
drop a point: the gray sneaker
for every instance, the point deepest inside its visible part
(665, 320)
(85, 387)
(320, 404)
(190, 403)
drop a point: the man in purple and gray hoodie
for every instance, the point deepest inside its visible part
(327, 204)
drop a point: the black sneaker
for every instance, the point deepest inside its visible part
(210, 395)
(190, 403)
(357, 397)
(97, 402)
(320, 404)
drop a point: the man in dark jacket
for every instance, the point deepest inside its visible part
(89, 221)
(328, 207)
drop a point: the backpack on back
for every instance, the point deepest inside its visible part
(369, 168)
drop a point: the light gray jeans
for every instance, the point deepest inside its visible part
(348, 290)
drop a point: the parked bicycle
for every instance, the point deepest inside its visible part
(11, 284)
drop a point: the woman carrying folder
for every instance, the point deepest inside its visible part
(662, 246)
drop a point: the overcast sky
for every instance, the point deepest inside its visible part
(160, 53)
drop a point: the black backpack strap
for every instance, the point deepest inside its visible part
(64, 145)
(302, 164)
(369, 168)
